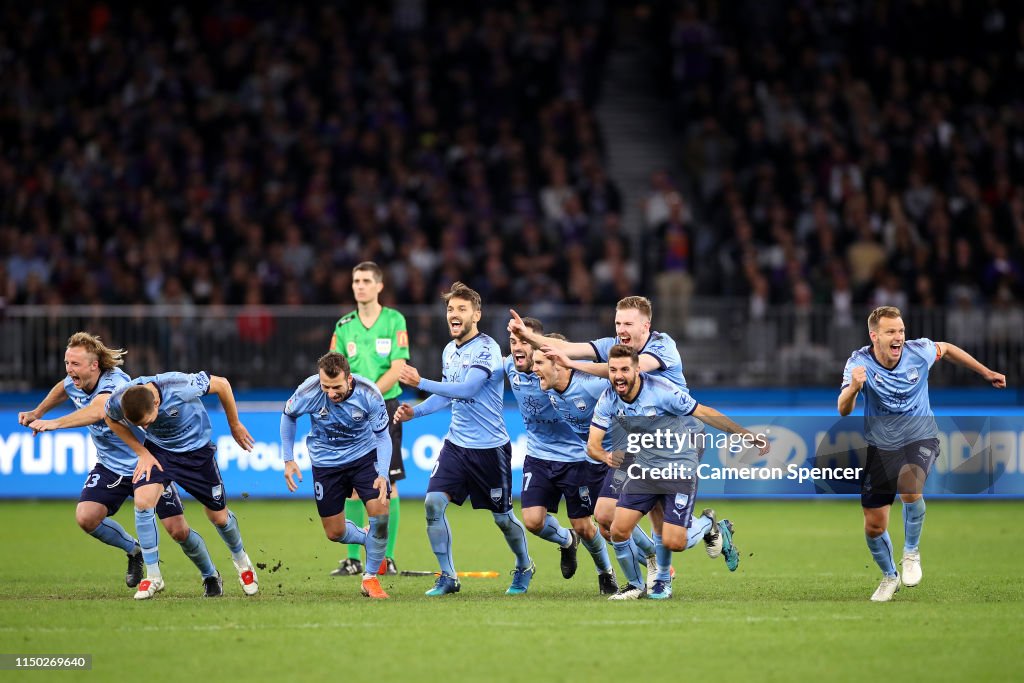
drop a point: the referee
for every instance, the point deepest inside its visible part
(375, 341)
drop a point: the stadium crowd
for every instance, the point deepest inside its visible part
(851, 153)
(237, 153)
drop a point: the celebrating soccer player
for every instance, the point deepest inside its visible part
(633, 399)
(350, 448)
(556, 464)
(93, 373)
(659, 356)
(900, 430)
(374, 340)
(476, 458)
(177, 448)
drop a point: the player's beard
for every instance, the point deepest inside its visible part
(463, 332)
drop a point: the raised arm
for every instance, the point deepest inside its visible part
(848, 396)
(54, 398)
(576, 350)
(957, 355)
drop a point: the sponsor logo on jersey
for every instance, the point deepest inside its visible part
(402, 339)
(323, 412)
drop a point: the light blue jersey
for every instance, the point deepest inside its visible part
(477, 422)
(897, 410)
(548, 436)
(657, 400)
(182, 424)
(341, 432)
(659, 346)
(576, 404)
(114, 454)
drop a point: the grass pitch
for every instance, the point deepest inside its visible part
(797, 608)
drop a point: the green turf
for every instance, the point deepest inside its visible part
(797, 609)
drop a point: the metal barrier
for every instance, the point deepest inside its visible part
(722, 342)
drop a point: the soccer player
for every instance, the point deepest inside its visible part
(556, 464)
(638, 395)
(659, 356)
(177, 448)
(375, 341)
(900, 430)
(350, 448)
(476, 458)
(93, 373)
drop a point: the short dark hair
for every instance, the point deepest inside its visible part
(461, 290)
(534, 324)
(555, 335)
(378, 274)
(333, 364)
(624, 351)
(136, 403)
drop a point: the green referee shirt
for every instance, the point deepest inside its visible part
(370, 351)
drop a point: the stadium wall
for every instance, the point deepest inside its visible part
(983, 448)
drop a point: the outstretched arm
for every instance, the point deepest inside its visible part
(961, 357)
(710, 416)
(53, 399)
(90, 414)
(468, 388)
(579, 350)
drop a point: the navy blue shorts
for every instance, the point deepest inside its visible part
(484, 475)
(879, 482)
(109, 488)
(333, 485)
(195, 471)
(614, 479)
(677, 497)
(545, 482)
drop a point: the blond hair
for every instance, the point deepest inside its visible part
(108, 358)
(882, 312)
(639, 303)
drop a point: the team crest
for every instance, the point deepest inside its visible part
(585, 494)
(173, 412)
(681, 500)
(168, 492)
(581, 405)
(351, 349)
(650, 411)
(913, 376)
(496, 495)
(217, 492)
(358, 415)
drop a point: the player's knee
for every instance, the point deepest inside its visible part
(88, 520)
(910, 498)
(674, 545)
(620, 534)
(434, 505)
(584, 528)
(177, 527)
(873, 528)
(533, 523)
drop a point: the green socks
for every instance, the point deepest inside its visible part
(393, 513)
(355, 513)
